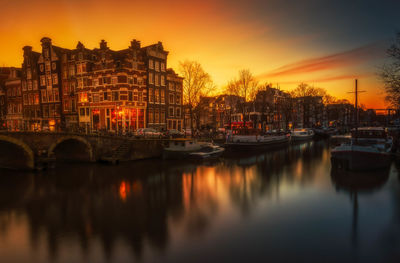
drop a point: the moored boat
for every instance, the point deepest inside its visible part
(183, 148)
(324, 132)
(210, 151)
(247, 139)
(369, 148)
(302, 134)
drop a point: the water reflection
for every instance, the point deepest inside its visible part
(149, 207)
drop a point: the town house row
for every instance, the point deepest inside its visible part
(95, 89)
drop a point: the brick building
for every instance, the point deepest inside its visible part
(174, 101)
(13, 91)
(32, 113)
(98, 89)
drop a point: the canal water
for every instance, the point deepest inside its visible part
(285, 205)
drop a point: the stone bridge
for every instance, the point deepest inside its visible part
(25, 150)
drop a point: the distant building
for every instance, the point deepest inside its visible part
(174, 101)
(308, 112)
(32, 111)
(13, 90)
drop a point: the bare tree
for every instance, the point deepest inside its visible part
(390, 73)
(244, 86)
(196, 83)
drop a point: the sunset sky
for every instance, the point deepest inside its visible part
(324, 43)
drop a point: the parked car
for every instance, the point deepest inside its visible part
(148, 132)
(174, 133)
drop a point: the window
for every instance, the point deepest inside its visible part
(36, 98)
(28, 74)
(115, 96)
(44, 95)
(55, 79)
(178, 112)
(56, 95)
(157, 95)
(95, 82)
(150, 116)
(30, 99)
(42, 80)
(53, 66)
(23, 85)
(47, 66)
(71, 70)
(140, 98)
(162, 96)
(41, 67)
(135, 95)
(163, 117)
(29, 85)
(114, 80)
(156, 116)
(162, 66)
(95, 97)
(49, 82)
(157, 66)
(151, 95)
(178, 99)
(151, 64)
(171, 98)
(171, 111)
(130, 96)
(35, 85)
(82, 111)
(25, 99)
(50, 95)
(105, 95)
(162, 80)
(151, 78)
(157, 78)
(80, 83)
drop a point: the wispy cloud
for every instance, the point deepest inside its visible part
(334, 61)
(330, 78)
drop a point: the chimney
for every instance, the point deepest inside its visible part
(46, 41)
(27, 49)
(135, 44)
(103, 44)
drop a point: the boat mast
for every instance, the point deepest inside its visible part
(356, 106)
(356, 91)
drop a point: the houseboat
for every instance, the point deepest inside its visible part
(183, 148)
(251, 139)
(302, 134)
(369, 148)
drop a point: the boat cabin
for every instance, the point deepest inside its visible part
(369, 133)
(184, 145)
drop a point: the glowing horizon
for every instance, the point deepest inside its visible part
(283, 45)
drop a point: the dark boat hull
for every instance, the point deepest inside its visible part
(246, 146)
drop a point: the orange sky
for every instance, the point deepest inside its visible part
(223, 36)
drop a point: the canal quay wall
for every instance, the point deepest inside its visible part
(33, 150)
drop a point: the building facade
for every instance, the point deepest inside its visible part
(96, 89)
(174, 101)
(13, 90)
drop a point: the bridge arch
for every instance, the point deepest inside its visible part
(72, 138)
(28, 152)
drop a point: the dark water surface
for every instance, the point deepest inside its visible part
(282, 206)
